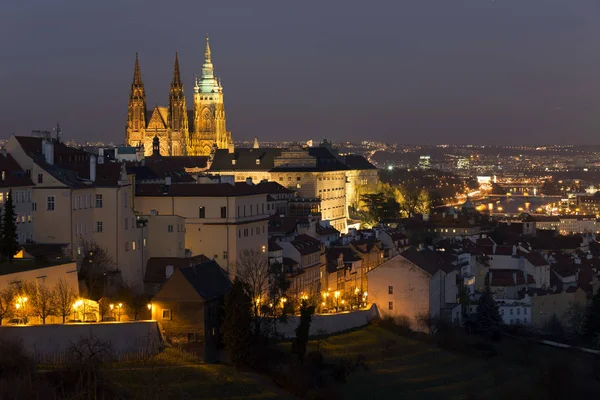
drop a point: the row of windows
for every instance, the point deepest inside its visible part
(86, 201)
(180, 228)
(244, 209)
(21, 218)
(252, 231)
(511, 311)
(134, 245)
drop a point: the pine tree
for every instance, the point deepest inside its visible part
(9, 245)
(237, 324)
(487, 318)
(591, 328)
(303, 329)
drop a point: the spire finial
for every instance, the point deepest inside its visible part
(207, 51)
(176, 75)
(137, 75)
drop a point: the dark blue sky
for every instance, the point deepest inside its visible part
(406, 71)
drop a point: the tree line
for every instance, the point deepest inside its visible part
(29, 299)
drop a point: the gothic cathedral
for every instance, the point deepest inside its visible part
(180, 132)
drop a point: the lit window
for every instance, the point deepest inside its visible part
(133, 245)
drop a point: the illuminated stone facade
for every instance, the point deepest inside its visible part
(180, 131)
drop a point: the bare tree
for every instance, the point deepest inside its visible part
(65, 296)
(42, 300)
(576, 317)
(253, 268)
(6, 303)
(92, 262)
(429, 323)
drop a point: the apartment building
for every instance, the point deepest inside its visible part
(221, 219)
(78, 199)
(309, 267)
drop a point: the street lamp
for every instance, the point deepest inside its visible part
(119, 307)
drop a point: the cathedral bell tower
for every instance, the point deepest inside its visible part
(177, 116)
(136, 113)
(209, 111)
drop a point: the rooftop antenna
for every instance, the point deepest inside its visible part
(58, 132)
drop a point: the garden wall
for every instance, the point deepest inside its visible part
(326, 324)
(50, 343)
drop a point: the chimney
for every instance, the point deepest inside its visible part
(168, 271)
(93, 168)
(48, 151)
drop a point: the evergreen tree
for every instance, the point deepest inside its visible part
(237, 324)
(487, 319)
(303, 329)
(591, 327)
(9, 245)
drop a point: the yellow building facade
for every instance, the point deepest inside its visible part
(180, 131)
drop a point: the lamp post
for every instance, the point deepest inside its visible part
(119, 307)
(336, 294)
(149, 305)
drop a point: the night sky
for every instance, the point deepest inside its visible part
(405, 71)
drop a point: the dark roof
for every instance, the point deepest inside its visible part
(178, 162)
(273, 246)
(326, 230)
(428, 260)
(196, 190)
(366, 245)
(208, 279)
(50, 251)
(333, 253)
(23, 265)
(355, 161)
(536, 259)
(156, 266)
(245, 159)
(12, 174)
(306, 244)
(271, 187)
(506, 277)
(285, 225)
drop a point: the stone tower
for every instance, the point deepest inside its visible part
(177, 120)
(136, 112)
(209, 111)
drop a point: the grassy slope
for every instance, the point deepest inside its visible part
(173, 375)
(414, 370)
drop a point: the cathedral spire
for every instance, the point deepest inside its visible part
(207, 51)
(137, 75)
(176, 76)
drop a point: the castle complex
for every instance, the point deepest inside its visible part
(179, 131)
